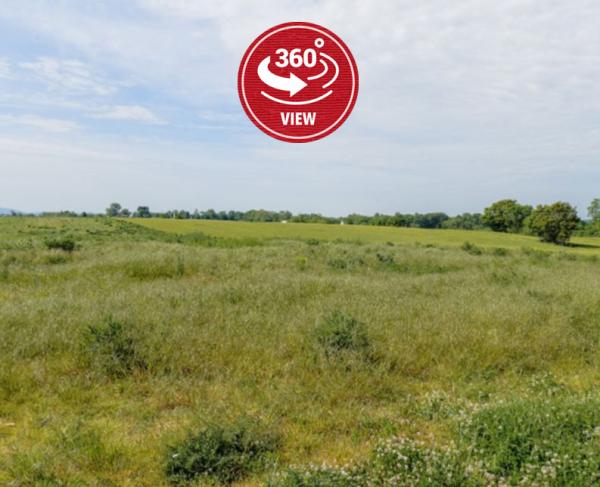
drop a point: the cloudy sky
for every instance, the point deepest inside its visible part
(461, 103)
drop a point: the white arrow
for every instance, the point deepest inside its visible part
(293, 84)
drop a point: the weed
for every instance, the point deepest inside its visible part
(222, 453)
(338, 333)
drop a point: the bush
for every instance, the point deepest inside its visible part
(63, 243)
(221, 453)
(339, 333)
(554, 223)
(112, 349)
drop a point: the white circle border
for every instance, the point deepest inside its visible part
(298, 137)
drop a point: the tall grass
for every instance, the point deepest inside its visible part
(206, 330)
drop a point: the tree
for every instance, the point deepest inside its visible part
(554, 223)
(506, 216)
(594, 210)
(430, 220)
(125, 213)
(143, 212)
(466, 221)
(113, 210)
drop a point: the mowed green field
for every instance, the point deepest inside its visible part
(403, 353)
(364, 234)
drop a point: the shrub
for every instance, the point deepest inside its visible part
(61, 243)
(221, 453)
(339, 333)
(554, 223)
(112, 349)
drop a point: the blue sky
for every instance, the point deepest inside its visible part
(461, 103)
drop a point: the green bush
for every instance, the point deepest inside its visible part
(111, 348)
(554, 223)
(338, 333)
(221, 453)
(67, 244)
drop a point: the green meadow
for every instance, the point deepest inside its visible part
(364, 234)
(162, 352)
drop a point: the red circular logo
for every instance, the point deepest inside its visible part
(298, 82)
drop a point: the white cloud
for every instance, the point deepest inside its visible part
(134, 113)
(69, 75)
(53, 125)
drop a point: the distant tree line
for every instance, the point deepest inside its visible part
(555, 222)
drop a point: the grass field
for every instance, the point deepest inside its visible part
(369, 356)
(364, 234)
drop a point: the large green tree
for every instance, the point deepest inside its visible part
(506, 216)
(113, 210)
(143, 212)
(554, 223)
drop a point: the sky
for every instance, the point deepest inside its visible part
(461, 103)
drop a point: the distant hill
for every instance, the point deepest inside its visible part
(7, 211)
